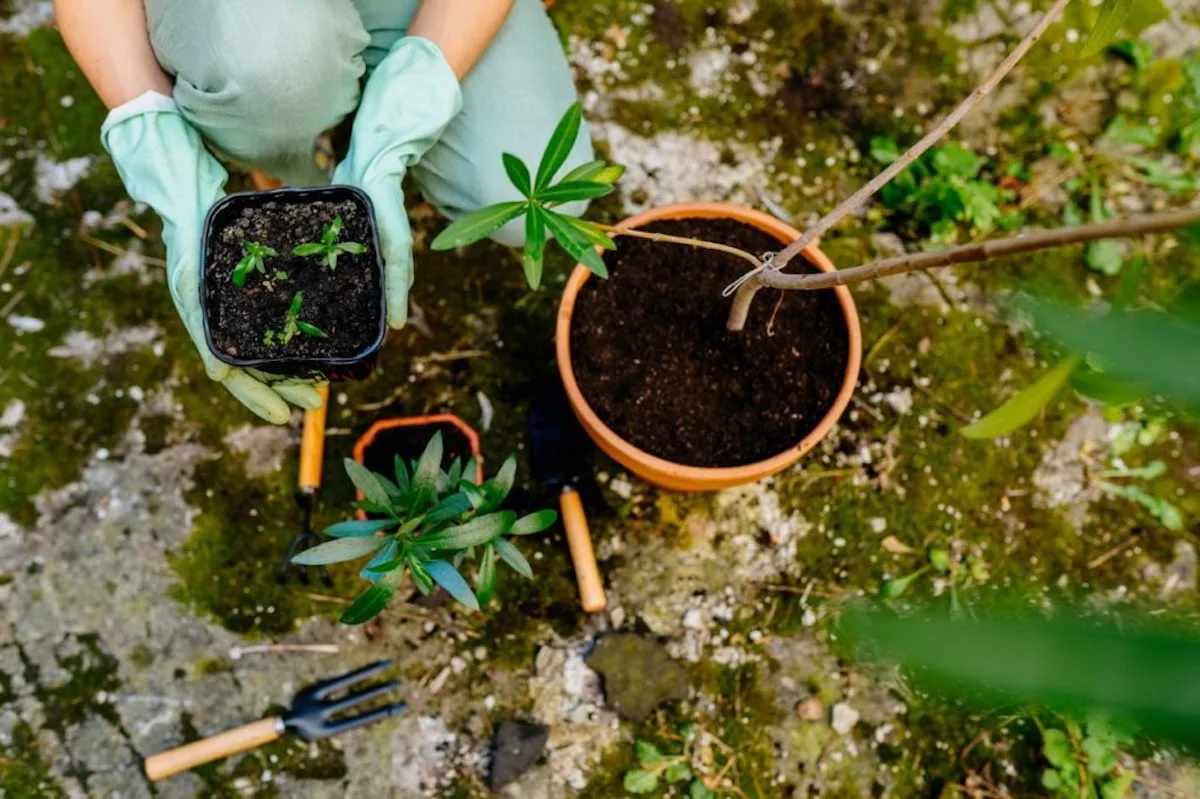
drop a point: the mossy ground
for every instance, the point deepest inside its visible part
(798, 90)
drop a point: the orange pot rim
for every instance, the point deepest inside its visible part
(377, 427)
(675, 475)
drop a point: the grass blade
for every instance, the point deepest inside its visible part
(1113, 14)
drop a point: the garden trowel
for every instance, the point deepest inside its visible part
(312, 454)
(556, 450)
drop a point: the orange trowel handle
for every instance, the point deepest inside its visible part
(583, 557)
(312, 445)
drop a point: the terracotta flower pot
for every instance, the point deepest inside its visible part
(380, 428)
(675, 476)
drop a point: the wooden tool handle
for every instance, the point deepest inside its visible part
(169, 763)
(579, 540)
(312, 444)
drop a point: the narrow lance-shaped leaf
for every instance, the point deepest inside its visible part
(478, 531)
(400, 469)
(424, 481)
(421, 578)
(1023, 407)
(560, 145)
(369, 604)
(357, 528)
(478, 225)
(448, 577)
(1157, 350)
(1113, 14)
(518, 173)
(534, 523)
(485, 582)
(591, 232)
(311, 248)
(575, 244)
(364, 480)
(374, 570)
(496, 490)
(448, 508)
(535, 246)
(587, 171)
(513, 557)
(610, 174)
(569, 192)
(352, 247)
(338, 550)
(311, 330)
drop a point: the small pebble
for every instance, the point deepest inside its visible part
(844, 718)
(810, 709)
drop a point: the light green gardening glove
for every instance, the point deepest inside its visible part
(408, 101)
(164, 164)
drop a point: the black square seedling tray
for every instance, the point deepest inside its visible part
(336, 328)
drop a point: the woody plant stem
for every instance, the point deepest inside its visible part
(745, 295)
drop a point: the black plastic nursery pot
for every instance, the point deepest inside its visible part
(249, 325)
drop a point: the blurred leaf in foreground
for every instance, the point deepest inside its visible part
(1146, 674)
(1157, 350)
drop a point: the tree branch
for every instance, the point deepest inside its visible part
(987, 250)
(745, 295)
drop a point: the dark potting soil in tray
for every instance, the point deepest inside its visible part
(410, 441)
(343, 302)
(655, 362)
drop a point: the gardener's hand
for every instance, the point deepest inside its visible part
(408, 101)
(164, 164)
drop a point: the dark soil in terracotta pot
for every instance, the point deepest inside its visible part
(410, 441)
(653, 358)
(248, 324)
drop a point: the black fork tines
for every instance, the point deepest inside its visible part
(313, 712)
(322, 690)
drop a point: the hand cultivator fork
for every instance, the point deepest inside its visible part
(313, 716)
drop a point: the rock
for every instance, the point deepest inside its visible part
(1181, 573)
(810, 709)
(844, 718)
(516, 747)
(638, 674)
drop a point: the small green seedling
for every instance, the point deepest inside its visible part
(254, 261)
(577, 236)
(1167, 513)
(329, 248)
(656, 767)
(1083, 760)
(429, 521)
(293, 325)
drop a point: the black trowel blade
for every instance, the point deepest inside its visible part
(557, 448)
